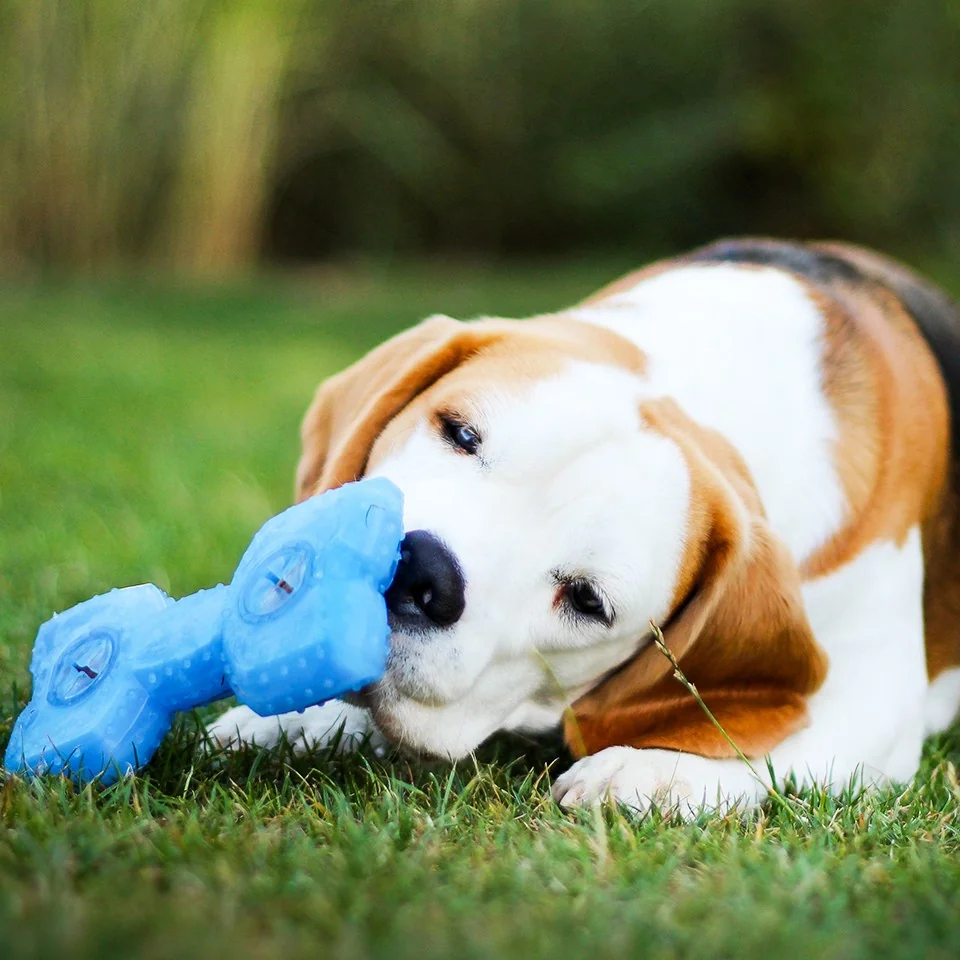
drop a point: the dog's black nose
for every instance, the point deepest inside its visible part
(428, 590)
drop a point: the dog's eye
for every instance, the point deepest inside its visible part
(461, 435)
(584, 598)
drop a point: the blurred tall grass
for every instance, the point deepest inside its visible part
(210, 134)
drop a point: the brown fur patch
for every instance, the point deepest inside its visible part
(941, 585)
(886, 391)
(941, 518)
(756, 718)
(352, 411)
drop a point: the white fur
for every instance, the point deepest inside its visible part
(868, 617)
(740, 351)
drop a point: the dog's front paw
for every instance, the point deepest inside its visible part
(675, 782)
(334, 722)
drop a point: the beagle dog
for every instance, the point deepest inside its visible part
(752, 446)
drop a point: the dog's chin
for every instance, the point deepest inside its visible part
(418, 729)
(420, 706)
(418, 673)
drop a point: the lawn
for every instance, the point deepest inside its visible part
(145, 432)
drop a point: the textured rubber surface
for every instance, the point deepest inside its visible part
(325, 632)
(302, 621)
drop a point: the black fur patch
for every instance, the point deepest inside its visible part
(816, 265)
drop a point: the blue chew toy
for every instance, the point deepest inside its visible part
(302, 621)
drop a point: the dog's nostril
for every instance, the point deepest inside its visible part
(428, 589)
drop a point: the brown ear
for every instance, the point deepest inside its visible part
(738, 629)
(350, 410)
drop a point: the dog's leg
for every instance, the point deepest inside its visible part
(866, 721)
(315, 727)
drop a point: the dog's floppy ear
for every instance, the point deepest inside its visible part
(738, 628)
(350, 410)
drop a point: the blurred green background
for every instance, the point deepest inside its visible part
(209, 136)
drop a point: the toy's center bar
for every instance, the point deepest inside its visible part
(179, 656)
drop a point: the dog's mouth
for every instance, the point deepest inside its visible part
(362, 698)
(400, 682)
(373, 698)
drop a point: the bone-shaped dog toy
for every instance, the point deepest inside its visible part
(303, 620)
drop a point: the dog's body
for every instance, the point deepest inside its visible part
(750, 446)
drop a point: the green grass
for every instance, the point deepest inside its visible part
(145, 432)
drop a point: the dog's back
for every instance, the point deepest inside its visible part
(937, 317)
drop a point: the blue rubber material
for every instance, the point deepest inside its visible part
(302, 621)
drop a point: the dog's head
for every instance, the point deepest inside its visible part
(553, 508)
